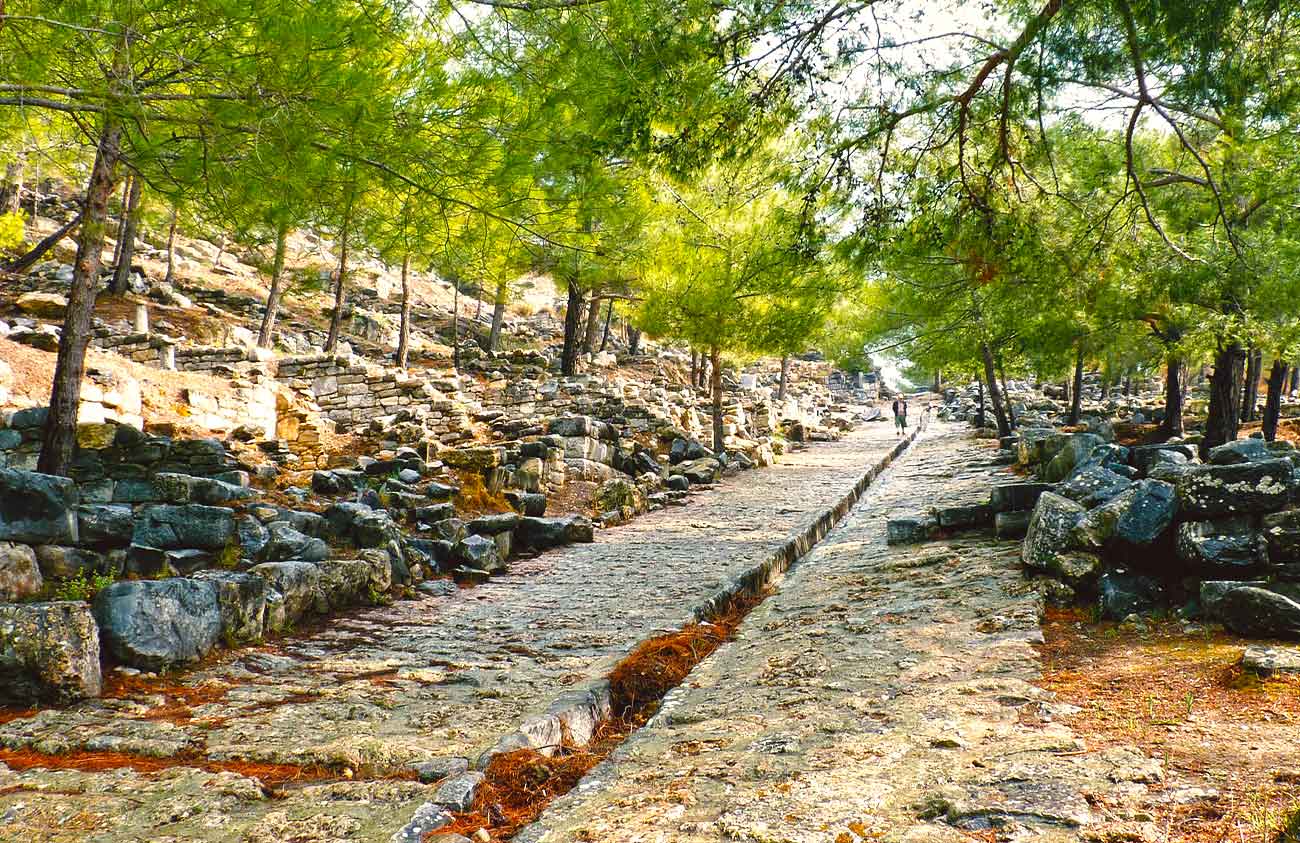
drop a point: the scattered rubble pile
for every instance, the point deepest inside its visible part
(1143, 528)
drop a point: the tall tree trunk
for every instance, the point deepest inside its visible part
(634, 341)
(1273, 401)
(171, 246)
(1254, 373)
(572, 318)
(609, 315)
(980, 415)
(715, 386)
(785, 378)
(705, 383)
(23, 262)
(1295, 379)
(995, 394)
(937, 385)
(593, 323)
(695, 368)
(123, 213)
(60, 438)
(1076, 396)
(478, 299)
(498, 314)
(1066, 391)
(277, 285)
(126, 248)
(404, 327)
(336, 316)
(1225, 402)
(1173, 423)
(11, 192)
(1006, 394)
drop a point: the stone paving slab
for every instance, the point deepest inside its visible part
(882, 693)
(370, 692)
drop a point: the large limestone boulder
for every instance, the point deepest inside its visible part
(344, 582)
(543, 533)
(1226, 545)
(49, 652)
(43, 305)
(37, 508)
(155, 624)
(1215, 491)
(1094, 485)
(619, 494)
(1258, 612)
(1049, 533)
(298, 583)
(61, 562)
(480, 553)
(241, 600)
(1240, 451)
(1077, 448)
(168, 526)
(1134, 519)
(1282, 532)
(109, 525)
(284, 542)
(701, 471)
(20, 575)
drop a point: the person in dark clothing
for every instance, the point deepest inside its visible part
(900, 414)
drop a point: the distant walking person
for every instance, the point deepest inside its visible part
(900, 415)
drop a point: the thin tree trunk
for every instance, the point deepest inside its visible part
(23, 262)
(498, 314)
(1076, 397)
(277, 285)
(60, 439)
(609, 315)
(404, 327)
(695, 368)
(1011, 411)
(1253, 377)
(126, 248)
(478, 297)
(572, 316)
(1295, 378)
(593, 323)
(634, 341)
(995, 395)
(336, 317)
(785, 378)
(980, 415)
(937, 385)
(1173, 423)
(1273, 401)
(715, 385)
(11, 192)
(123, 213)
(1225, 402)
(171, 246)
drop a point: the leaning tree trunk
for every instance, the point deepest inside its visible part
(1174, 397)
(593, 323)
(404, 326)
(171, 246)
(1225, 402)
(609, 316)
(1273, 401)
(572, 316)
(995, 394)
(1076, 396)
(715, 385)
(277, 285)
(126, 248)
(1006, 393)
(23, 262)
(498, 314)
(336, 316)
(785, 378)
(61, 427)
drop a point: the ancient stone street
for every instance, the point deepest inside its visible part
(881, 693)
(439, 680)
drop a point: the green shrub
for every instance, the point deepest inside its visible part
(83, 586)
(12, 231)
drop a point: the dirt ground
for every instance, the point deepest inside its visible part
(1228, 740)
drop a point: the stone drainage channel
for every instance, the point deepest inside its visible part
(575, 719)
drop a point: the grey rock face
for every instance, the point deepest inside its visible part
(480, 553)
(1240, 451)
(1135, 518)
(1282, 532)
(49, 652)
(911, 530)
(1093, 486)
(1143, 457)
(344, 582)
(37, 508)
(1016, 497)
(1049, 532)
(284, 542)
(1122, 593)
(105, 524)
(20, 575)
(241, 600)
(457, 794)
(190, 525)
(1260, 613)
(299, 583)
(1011, 525)
(544, 533)
(67, 562)
(1078, 447)
(1214, 491)
(1228, 544)
(155, 624)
